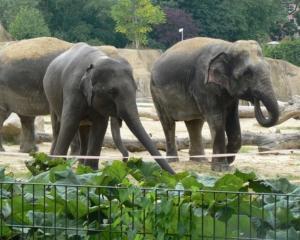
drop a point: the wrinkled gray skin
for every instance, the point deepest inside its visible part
(21, 92)
(196, 82)
(83, 84)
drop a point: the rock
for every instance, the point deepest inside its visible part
(285, 79)
(12, 128)
(141, 62)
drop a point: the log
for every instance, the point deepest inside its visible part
(265, 142)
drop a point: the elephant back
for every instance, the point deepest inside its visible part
(31, 49)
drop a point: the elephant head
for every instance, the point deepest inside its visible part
(110, 89)
(240, 68)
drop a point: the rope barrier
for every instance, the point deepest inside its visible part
(112, 157)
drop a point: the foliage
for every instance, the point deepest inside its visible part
(288, 50)
(124, 210)
(235, 19)
(10, 8)
(29, 23)
(167, 33)
(135, 19)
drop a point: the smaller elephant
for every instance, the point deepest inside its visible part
(202, 79)
(85, 85)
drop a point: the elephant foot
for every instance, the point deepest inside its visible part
(2, 149)
(92, 163)
(28, 149)
(199, 159)
(173, 159)
(220, 167)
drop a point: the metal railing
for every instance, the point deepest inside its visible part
(59, 211)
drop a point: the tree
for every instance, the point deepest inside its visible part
(135, 19)
(10, 8)
(82, 20)
(167, 33)
(29, 23)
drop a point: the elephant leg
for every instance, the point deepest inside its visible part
(69, 125)
(115, 125)
(3, 116)
(83, 139)
(28, 134)
(55, 131)
(194, 128)
(233, 132)
(217, 129)
(96, 137)
(169, 131)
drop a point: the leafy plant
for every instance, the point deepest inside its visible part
(138, 200)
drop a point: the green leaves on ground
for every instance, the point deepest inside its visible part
(122, 201)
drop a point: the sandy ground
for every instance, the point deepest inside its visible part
(266, 166)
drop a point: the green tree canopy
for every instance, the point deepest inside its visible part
(29, 23)
(135, 19)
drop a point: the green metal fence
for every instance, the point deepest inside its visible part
(46, 211)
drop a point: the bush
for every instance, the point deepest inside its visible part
(29, 23)
(288, 50)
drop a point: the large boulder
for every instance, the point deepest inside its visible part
(285, 79)
(141, 62)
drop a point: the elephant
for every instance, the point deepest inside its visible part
(202, 79)
(84, 85)
(23, 65)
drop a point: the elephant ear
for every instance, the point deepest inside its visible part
(86, 84)
(218, 70)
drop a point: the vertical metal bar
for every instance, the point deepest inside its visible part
(33, 208)
(275, 216)
(55, 211)
(110, 218)
(66, 212)
(239, 212)
(226, 222)
(250, 227)
(191, 216)
(121, 210)
(155, 213)
(202, 215)
(44, 210)
(99, 216)
(1, 209)
(287, 216)
(214, 221)
(22, 208)
(88, 209)
(77, 212)
(178, 191)
(12, 203)
(132, 227)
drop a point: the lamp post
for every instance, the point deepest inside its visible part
(181, 31)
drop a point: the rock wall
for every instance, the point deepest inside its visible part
(285, 79)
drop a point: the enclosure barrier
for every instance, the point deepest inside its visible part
(46, 211)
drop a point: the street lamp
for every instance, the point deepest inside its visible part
(181, 31)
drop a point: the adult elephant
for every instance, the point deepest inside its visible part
(84, 84)
(23, 65)
(202, 79)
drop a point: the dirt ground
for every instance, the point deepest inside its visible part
(266, 166)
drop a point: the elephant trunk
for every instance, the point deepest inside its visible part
(134, 124)
(270, 102)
